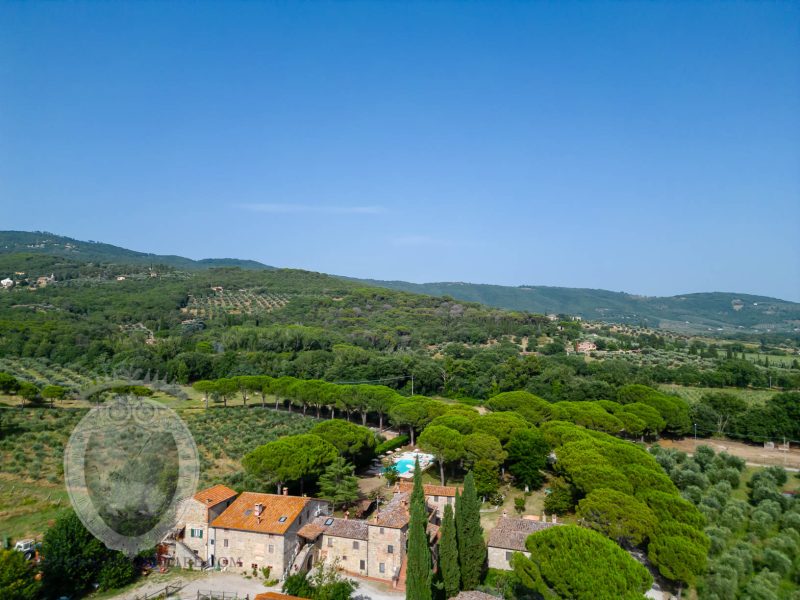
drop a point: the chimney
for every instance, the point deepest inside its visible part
(555, 519)
(505, 513)
(346, 515)
(285, 491)
(259, 508)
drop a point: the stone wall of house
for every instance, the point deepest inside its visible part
(192, 516)
(380, 538)
(438, 503)
(352, 555)
(498, 558)
(242, 549)
(262, 549)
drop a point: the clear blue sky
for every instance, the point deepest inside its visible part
(646, 147)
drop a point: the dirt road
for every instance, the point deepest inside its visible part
(753, 455)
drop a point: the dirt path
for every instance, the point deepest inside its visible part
(242, 586)
(753, 455)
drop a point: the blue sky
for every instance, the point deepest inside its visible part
(646, 147)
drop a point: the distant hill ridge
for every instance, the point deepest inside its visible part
(690, 313)
(703, 311)
(41, 242)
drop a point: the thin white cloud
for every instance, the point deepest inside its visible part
(311, 209)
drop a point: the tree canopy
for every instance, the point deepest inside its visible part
(574, 562)
(290, 459)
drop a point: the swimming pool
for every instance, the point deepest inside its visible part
(404, 463)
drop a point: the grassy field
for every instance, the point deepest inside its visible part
(32, 445)
(28, 507)
(693, 394)
(774, 361)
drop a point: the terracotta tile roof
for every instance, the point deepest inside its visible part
(312, 530)
(429, 489)
(214, 495)
(470, 595)
(393, 514)
(511, 533)
(242, 514)
(276, 596)
(346, 528)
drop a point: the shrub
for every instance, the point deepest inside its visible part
(393, 444)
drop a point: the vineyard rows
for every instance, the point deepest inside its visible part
(42, 372)
(234, 303)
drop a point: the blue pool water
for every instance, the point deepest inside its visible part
(404, 465)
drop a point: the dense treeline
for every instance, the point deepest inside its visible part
(725, 414)
(334, 330)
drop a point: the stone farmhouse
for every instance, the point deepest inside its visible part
(436, 496)
(374, 548)
(292, 533)
(509, 536)
(260, 530)
(585, 347)
(190, 540)
(254, 530)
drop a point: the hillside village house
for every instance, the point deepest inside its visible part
(509, 536)
(436, 496)
(374, 548)
(189, 541)
(44, 280)
(291, 533)
(585, 347)
(7, 283)
(260, 530)
(217, 528)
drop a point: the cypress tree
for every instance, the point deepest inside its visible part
(471, 548)
(448, 554)
(418, 572)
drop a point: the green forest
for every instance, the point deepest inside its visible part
(288, 369)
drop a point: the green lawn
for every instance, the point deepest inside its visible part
(534, 505)
(694, 394)
(27, 508)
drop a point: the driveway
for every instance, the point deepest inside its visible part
(192, 583)
(233, 583)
